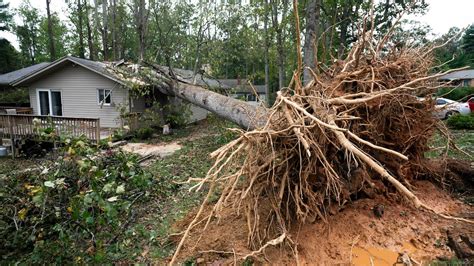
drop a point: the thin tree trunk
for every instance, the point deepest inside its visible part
(80, 29)
(279, 29)
(105, 30)
(345, 20)
(141, 20)
(90, 41)
(313, 8)
(52, 51)
(266, 56)
(114, 30)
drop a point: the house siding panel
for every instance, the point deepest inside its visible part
(79, 94)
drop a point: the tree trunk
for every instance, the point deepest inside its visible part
(105, 30)
(279, 29)
(266, 56)
(246, 115)
(90, 41)
(141, 20)
(80, 29)
(114, 30)
(344, 25)
(52, 51)
(313, 8)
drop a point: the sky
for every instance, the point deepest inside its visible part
(442, 14)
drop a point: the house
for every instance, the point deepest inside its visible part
(463, 78)
(241, 89)
(76, 87)
(8, 96)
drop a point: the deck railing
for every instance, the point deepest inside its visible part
(31, 126)
(18, 110)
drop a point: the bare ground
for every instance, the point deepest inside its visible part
(354, 235)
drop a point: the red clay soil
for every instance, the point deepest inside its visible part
(354, 235)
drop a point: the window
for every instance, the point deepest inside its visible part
(104, 96)
(440, 102)
(466, 83)
(49, 102)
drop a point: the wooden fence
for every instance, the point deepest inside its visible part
(32, 126)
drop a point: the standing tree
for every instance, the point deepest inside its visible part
(313, 8)
(105, 30)
(52, 52)
(5, 16)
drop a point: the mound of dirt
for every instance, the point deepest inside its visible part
(378, 230)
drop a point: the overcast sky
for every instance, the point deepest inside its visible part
(442, 14)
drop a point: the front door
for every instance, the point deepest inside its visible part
(49, 102)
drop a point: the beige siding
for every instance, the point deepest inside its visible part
(78, 87)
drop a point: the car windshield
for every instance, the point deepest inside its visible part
(440, 102)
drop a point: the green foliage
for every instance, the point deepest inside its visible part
(9, 58)
(73, 209)
(5, 16)
(144, 133)
(461, 121)
(456, 94)
(14, 96)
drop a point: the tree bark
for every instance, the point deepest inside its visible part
(344, 26)
(80, 29)
(266, 56)
(114, 30)
(90, 42)
(246, 115)
(141, 18)
(313, 8)
(105, 30)
(52, 51)
(279, 29)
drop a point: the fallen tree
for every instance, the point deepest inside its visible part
(358, 126)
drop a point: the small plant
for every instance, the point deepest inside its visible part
(461, 121)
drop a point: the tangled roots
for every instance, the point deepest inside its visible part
(356, 126)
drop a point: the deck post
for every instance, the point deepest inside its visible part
(98, 131)
(12, 136)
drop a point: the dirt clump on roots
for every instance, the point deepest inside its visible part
(352, 235)
(357, 126)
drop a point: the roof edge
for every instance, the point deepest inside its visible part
(58, 62)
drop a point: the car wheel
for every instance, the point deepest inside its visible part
(450, 113)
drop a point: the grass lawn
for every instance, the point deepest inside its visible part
(464, 140)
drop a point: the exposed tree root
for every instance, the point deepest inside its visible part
(359, 122)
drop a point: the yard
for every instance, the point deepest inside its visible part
(149, 233)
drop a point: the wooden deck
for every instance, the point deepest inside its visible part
(18, 110)
(21, 126)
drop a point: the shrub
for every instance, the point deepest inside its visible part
(144, 133)
(461, 121)
(456, 94)
(73, 209)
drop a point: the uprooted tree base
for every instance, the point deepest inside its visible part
(349, 231)
(358, 125)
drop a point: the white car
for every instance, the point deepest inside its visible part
(446, 108)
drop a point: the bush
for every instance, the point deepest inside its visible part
(456, 94)
(73, 209)
(461, 121)
(15, 97)
(144, 133)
